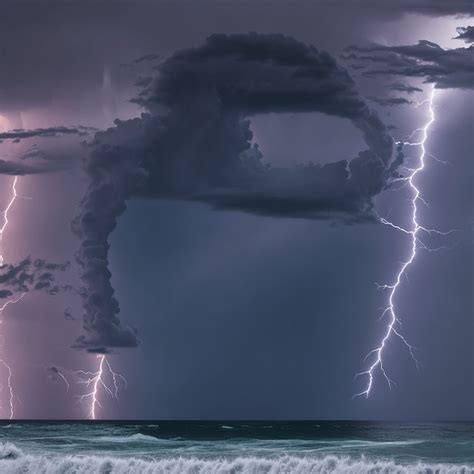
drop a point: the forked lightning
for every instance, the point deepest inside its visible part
(5, 213)
(96, 380)
(415, 230)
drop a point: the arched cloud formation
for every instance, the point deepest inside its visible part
(195, 143)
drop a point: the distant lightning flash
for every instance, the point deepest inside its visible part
(5, 212)
(393, 326)
(97, 382)
(3, 362)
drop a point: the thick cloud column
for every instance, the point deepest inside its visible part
(103, 203)
(195, 145)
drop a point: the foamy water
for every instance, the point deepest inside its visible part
(173, 447)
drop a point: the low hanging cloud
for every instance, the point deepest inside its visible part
(30, 275)
(465, 33)
(21, 134)
(390, 101)
(446, 68)
(401, 87)
(50, 157)
(19, 168)
(195, 143)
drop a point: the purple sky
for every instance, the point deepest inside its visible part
(239, 314)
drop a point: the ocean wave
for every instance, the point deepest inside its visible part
(134, 438)
(15, 461)
(9, 451)
(356, 443)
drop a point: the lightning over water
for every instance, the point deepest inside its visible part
(95, 380)
(98, 384)
(7, 367)
(5, 213)
(414, 232)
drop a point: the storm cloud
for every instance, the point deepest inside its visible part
(430, 7)
(47, 158)
(390, 101)
(18, 168)
(30, 275)
(409, 89)
(446, 68)
(465, 33)
(195, 143)
(38, 133)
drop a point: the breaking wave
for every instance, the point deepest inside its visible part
(13, 460)
(9, 451)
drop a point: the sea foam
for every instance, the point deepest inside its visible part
(13, 460)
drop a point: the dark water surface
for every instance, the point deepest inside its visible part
(235, 447)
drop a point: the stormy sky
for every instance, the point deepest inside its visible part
(200, 188)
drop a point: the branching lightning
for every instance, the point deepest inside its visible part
(5, 213)
(415, 231)
(96, 380)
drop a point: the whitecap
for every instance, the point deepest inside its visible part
(300, 465)
(9, 451)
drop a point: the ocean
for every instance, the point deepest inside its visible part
(236, 447)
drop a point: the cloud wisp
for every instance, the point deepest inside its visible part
(446, 68)
(31, 275)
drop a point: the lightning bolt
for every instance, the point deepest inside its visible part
(5, 216)
(415, 230)
(5, 212)
(4, 363)
(96, 380)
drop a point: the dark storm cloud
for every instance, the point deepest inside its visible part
(45, 159)
(5, 294)
(196, 144)
(147, 58)
(210, 91)
(465, 33)
(428, 7)
(393, 9)
(400, 87)
(65, 84)
(31, 275)
(390, 101)
(447, 68)
(112, 178)
(144, 82)
(17, 168)
(38, 161)
(38, 133)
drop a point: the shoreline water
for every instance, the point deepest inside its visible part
(236, 446)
